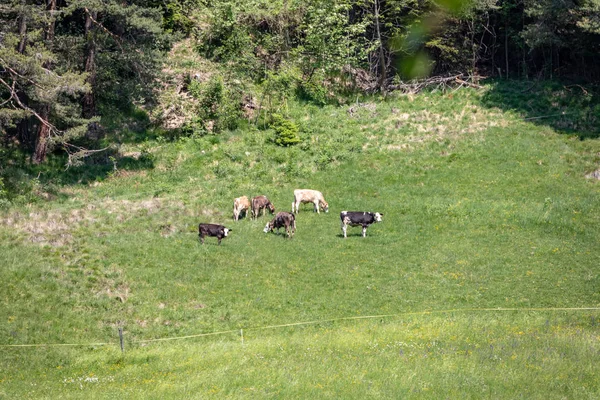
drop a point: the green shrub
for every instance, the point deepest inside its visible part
(4, 202)
(176, 18)
(312, 91)
(286, 131)
(219, 106)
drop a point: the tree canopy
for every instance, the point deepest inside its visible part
(64, 65)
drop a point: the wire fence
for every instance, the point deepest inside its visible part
(293, 324)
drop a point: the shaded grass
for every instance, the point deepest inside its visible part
(570, 109)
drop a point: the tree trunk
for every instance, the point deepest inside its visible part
(383, 76)
(50, 7)
(89, 100)
(43, 133)
(23, 125)
(22, 33)
(286, 26)
(506, 46)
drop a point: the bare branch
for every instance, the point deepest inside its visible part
(117, 38)
(438, 82)
(37, 85)
(14, 96)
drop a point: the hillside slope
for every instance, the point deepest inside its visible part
(482, 210)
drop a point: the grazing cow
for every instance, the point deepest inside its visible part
(240, 205)
(359, 218)
(261, 203)
(309, 196)
(213, 230)
(285, 220)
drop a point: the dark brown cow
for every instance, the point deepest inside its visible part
(261, 203)
(285, 220)
(212, 230)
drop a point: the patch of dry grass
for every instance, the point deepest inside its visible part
(403, 131)
(55, 228)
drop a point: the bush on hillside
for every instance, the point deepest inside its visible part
(286, 131)
(218, 106)
(312, 91)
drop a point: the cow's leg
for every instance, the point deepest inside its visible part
(316, 203)
(344, 228)
(364, 233)
(219, 237)
(201, 238)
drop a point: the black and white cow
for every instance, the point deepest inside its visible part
(359, 218)
(212, 230)
(285, 220)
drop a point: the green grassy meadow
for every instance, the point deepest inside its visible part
(482, 210)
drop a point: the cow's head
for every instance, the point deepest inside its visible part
(271, 208)
(324, 205)
(378, 217)
(268, 227)
(226, 231)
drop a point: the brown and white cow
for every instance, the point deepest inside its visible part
(359, 218)
(309, 196)
(218, 231)
(285, 220)
(240, 205)
(261, 203)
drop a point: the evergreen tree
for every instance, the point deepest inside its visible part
(59, 61)
(36, 96)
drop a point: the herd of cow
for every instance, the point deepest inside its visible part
(284, 219)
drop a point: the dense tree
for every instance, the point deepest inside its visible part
(59, 60)
(35, 95)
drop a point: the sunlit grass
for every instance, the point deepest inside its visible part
(481, 210)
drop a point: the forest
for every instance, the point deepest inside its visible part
(74, 74)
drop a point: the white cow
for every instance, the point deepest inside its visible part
(240, 205)
(309, 196)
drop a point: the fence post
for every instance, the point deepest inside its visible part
(121, 339)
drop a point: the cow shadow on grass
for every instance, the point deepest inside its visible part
(349, 235)
(280, 234)
(568, 108)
